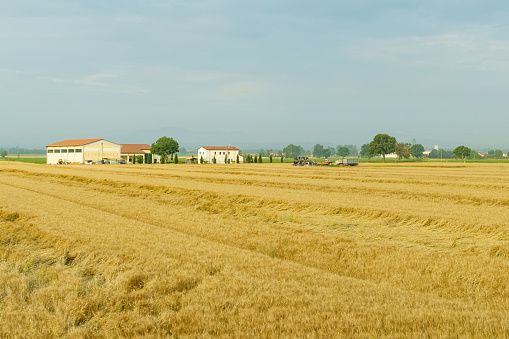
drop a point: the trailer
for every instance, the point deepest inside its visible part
(347, 162)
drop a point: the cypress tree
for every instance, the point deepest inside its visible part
(176, 158)
(260, 158)
(238, 159)
(270, 158)
(255, 159)
(282, 158)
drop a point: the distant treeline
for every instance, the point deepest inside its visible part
(19, 150)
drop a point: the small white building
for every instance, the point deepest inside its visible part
(81, 151)
(390, 155)
(223, 154)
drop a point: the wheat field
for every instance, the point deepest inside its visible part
(254, 251)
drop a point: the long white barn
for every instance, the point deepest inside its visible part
(223, 154)
(82, 150)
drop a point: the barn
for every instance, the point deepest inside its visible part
(82, 150)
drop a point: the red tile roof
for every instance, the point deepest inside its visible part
(74, 142)
(134, 148)
(222, 148)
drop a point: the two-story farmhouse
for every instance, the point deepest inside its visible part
(222, 154)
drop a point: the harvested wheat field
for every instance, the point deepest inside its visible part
(267, 250)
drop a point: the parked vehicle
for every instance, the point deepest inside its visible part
(302, 161)
(348, 162)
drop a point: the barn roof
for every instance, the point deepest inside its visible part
(222, 148)
(74, 142)
(134, 148)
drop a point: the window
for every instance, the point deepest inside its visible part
(78, 150)
(57, 151)
(50, 151)
(71, 150)
(64, 150)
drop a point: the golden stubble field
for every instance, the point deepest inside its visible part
(268, 250)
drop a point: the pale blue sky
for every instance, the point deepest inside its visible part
(255, 73)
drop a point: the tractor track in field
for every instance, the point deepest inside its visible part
(233, 204)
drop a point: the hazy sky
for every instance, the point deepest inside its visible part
(255, 73)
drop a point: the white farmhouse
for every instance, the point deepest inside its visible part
(81, 151)
(223, 154)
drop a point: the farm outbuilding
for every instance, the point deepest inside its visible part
(130, 151)
(223, 154)
(82, 150)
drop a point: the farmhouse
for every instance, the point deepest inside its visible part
(130, 151)
(81, 151)
(222, 154)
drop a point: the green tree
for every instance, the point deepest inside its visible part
(201, 160)
(226, 158)
(270, 158)
(292, 151)
(282, 160)
(441, 154)
(139, 159)
(402, 149)
(343, 151)
(260, 158)
(365, 151)
(214, 159)
(3, 154)
(499, 154)
(327, 152)
(318, 151)
(176, 158)
(352, 149)
(417, 150)
(462, 152)
(238, 159)
(382, 144)
(255, 158)
(164, 147)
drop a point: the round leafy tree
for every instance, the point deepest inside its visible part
(382, 144)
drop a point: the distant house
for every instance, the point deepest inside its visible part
(81, 151)
(130, 151)
(223, 154)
